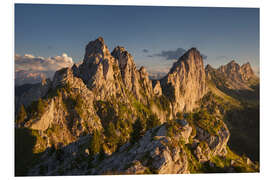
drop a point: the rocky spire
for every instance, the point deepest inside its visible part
(135, 81)
(96, 48)
(247, 72)
(237, 73)
(190, 58)
(185, 84)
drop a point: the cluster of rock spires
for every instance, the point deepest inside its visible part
(237, 77)
(83, 99)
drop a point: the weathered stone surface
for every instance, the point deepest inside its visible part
(233, 76)
(215, 144)
(149, 153)
(44, 121)
(157, 88)
(185, 84)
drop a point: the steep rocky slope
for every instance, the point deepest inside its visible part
(239, 88)
(185, 75)
(105, 116)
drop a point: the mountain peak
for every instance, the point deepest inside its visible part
(123, 57)
(192, 58)
(232, 62)
(190, 55)
(192, 51)
(98, 43)
(246, 65)
(96, 48)
(142, 70)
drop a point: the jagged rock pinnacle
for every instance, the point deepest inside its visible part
(96, 48)
(191, 58)
(186, 74)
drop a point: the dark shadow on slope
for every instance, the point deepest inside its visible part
(24, 156)
(244, 128)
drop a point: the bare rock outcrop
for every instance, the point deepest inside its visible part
(150, 155)
(157, 88)
(233, 76)
(185, 84)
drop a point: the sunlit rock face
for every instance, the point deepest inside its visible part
(185, 84)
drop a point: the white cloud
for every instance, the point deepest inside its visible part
(32, 65)
(29, 62)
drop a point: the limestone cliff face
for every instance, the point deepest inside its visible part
(135, 81)
(100, 71)
(185, 84)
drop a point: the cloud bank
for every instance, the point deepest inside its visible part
(173, 54)
(31, 69)
(145, 50)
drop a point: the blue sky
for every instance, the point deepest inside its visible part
(221, 34)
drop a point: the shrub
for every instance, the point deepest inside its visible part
(21, 115)
(95, 143)
(111, 135)
(153, 121)
(180, 115)
(37, 108)
(139, 128)
(79, 105)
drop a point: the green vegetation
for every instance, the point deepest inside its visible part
(125, 128)
(173, 128)
(37, 108)
(153, 121)
(180, 115)
(194, 165)
(24, 145)
(22, 115)
(106, 112)
(169, 92)
(95, 143)
(111, 136)
(208, 122)
(139, 128)
(79, 105)
(164, 102)
(232, 160)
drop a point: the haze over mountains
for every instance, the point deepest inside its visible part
(105, 116)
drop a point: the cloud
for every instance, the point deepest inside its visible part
(222, 58)
(29, 66)
(145, 50)
(204, 56)
(173, 54)
(29, 62)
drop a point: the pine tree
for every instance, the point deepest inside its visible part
(111, 135)
(153, 121)
(95, 143)
(139, 128)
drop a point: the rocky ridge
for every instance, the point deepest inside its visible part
(137, 121)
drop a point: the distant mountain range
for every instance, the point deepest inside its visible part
(105, 116)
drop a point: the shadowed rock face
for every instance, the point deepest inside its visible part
(186, 81)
